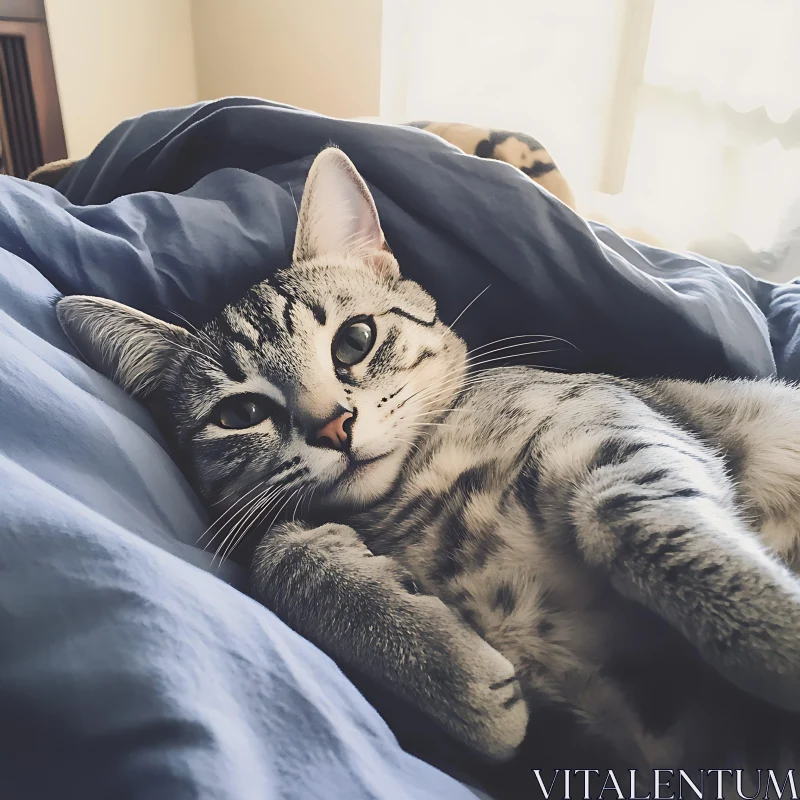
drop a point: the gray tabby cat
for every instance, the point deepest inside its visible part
(494, 531)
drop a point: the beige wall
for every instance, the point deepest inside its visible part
(319, 54)
(118, 58)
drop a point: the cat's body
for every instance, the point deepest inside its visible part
(481, 543)
(487, 515)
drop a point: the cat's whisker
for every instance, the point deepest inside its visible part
(297, 506)
(278, 512)
(262, 478)
(451, 389)
(515, 355)
(476, 358)
(241, 515)
(440, 388)
(225, 513)
(462, 381)
(468, 306)
(533, 336)
(309, 499)
(178, 346)
(435, 393)
(200, 334)
(413, 445)
(473, 361)
(243, 528)
(447, 410)
(264, 499)
(241, 532)
(282, 499)
(209, 360)
(475, 355)
(506, 358)
(270, 503)
(432, 395)
(233, 491)
(283, 505)
(232, 536)
(410, 397)
(291, 194)
(489, 371)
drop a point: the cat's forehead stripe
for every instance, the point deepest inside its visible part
(233, 327)
(230, 363)
(240, 324)
(279, 286)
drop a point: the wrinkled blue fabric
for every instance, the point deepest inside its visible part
(128, 669)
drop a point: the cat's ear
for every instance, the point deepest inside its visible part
(126, 345)
(338, 215)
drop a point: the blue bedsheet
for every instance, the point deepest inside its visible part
(127, 669)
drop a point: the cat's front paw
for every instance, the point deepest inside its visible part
(364, 610)
(339, 541)
(492, 715)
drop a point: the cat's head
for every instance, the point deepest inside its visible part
(321, 378)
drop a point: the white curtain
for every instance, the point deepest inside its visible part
(678, 117)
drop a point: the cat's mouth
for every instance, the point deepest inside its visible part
(359, 463)
(361, 481)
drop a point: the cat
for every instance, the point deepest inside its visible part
(486, 544)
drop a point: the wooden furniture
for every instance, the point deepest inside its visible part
(31, 130)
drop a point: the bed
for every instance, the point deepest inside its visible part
(129, 667)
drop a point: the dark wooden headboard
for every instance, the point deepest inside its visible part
(31, 129)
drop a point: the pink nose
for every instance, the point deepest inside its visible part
(334, 434)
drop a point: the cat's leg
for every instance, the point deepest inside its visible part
(756, 427)
(556, 653)
(362, 610)
(657, 519)
(556, 672)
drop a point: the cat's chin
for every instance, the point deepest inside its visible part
(364, 481)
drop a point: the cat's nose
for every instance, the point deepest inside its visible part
(335, 434)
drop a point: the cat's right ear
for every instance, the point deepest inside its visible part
(126, 345)
(338, 216)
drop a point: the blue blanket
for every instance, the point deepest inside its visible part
(127, 667)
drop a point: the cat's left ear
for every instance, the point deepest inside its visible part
(338, 216)
(126, 345)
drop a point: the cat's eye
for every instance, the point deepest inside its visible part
(243, 411)
(353, 342)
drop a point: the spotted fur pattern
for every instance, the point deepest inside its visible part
(518, 149)
(494, 543)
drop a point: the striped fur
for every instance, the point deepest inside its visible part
(499, 543)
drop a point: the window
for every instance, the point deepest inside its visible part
(680, 117)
